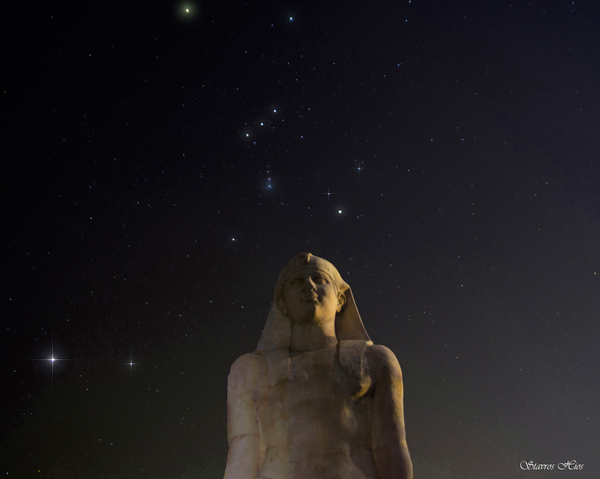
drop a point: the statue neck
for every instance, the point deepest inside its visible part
(312, 336)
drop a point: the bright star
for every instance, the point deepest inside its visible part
(187, 11)
(130, 364)
(51, 360)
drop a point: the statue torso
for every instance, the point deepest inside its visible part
(315, 418)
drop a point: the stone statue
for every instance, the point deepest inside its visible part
(317, 399)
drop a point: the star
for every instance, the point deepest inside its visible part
(359, 168)
(51, 359)
(329, 193)
(130, 364)
(187, 11)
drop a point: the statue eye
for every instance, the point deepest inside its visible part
(320, 280)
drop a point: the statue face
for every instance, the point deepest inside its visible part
(310, 296)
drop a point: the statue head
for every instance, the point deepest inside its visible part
(318, 276)
(309, 292)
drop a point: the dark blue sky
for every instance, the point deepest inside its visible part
(159, 171)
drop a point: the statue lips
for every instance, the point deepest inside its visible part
(313, 298)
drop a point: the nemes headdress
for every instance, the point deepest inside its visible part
(348, 324)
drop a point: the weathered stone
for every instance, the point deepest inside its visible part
(317, 399)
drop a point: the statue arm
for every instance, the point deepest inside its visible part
(390, 450)
(243, 434)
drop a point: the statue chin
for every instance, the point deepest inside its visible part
(310, 317)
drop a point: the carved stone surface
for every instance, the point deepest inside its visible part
(317, 399)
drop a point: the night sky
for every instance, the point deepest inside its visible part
(160, 167)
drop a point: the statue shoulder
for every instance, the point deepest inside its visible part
(382, 361)
(246, 372)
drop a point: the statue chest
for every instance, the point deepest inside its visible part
(327, 407)
(318, 409)
(331, 382)
(314, 377)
